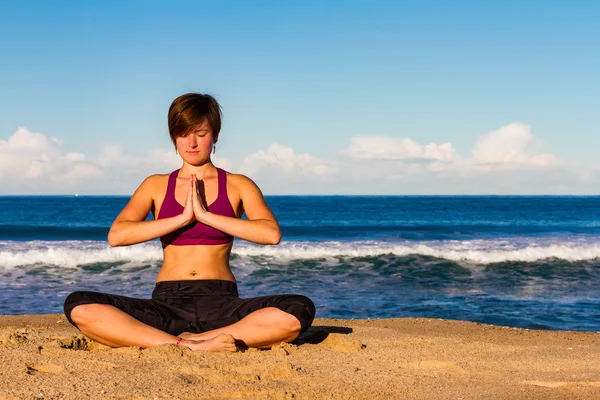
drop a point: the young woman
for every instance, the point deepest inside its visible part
(197, 211)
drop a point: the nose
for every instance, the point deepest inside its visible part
(192, 141)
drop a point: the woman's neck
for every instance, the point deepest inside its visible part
(200, 170)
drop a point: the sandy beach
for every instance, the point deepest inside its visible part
(44, 357)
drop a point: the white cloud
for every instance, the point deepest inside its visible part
(33, 163)
(28, 156)
(279, 170)
(505, 161)
(510, 144)
(385, 147)
(506, 149)
(284, 160)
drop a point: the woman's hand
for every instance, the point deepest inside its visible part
(188, 210)
(199, 209)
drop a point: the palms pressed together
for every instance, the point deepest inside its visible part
(194, 209)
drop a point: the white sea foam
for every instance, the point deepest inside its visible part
(71, 254)
(482, 252)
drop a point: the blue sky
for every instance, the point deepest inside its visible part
(303, 86)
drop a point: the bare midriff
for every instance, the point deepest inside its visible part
(196, 262)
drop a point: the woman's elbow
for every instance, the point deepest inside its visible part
(275, 237)
(114, 239)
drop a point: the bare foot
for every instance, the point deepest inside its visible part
(195, 336)
(186, 336)
(222, 342)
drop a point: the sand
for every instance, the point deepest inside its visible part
(44, 357)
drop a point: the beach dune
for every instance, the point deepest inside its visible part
(44, 357)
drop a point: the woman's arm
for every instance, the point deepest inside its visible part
(131, 227)
(261, 226)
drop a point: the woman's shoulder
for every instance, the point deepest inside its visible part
(157, 179)
(239, 180)
(154, 184)
(243, 185)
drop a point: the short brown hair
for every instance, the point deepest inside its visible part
(190, 110)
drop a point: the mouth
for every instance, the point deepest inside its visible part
(192, 152)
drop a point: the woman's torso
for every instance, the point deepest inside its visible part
(183, 262)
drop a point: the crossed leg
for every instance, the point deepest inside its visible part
(110, 326)
(262, 328)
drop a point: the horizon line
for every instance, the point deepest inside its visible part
(328, 195)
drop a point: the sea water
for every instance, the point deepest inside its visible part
(530, 262)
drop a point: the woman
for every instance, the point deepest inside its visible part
(197, 211)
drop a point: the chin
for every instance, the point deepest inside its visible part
(196, 162)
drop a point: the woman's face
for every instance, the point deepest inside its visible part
(195, 147)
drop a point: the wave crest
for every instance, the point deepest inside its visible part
(71, 254)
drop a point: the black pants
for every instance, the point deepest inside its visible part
(194, 305)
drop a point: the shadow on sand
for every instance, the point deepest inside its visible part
(317, 334)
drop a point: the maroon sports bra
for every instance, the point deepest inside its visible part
(196, 233)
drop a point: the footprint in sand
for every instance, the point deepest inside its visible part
(47, 369)
(201, 373)
(340, 343)
(75, 343)
(79, 343)
(11, 336)
(166, 351)
(284, 349)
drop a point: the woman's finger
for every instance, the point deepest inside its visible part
(190, 192)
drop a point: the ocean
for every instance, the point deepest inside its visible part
(518, 261)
